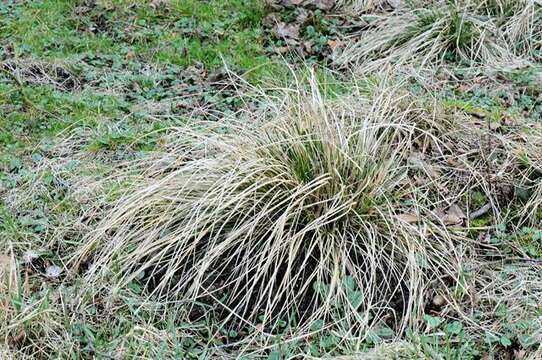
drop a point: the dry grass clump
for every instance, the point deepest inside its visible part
(522, 26)
(308, 212)
(34, 329)
(426, 33)
(347, 211)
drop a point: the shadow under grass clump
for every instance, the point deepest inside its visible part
(306, 305)
(43, 73)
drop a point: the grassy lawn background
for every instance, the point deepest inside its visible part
(88, 84)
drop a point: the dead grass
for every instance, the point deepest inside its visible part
(345, 209)
(426, 33)
(503, 299)
(353, 210)
(310, 212)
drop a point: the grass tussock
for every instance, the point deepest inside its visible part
(425, 33)
(522, 26)
(314, 213)
(308, 213)
(153, 204)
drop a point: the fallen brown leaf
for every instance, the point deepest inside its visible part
(439, 300)
(333, 44)
(454, 163)
(456, 212)
(287, 31)
(451, 220)
(452, 217)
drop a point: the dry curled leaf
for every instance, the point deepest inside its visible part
(454, 215)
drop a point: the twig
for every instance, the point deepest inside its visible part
(481, 211)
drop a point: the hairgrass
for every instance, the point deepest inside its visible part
(520, 22)
(523, 28)
(468, 32)
(304, 213)
(314, 214)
